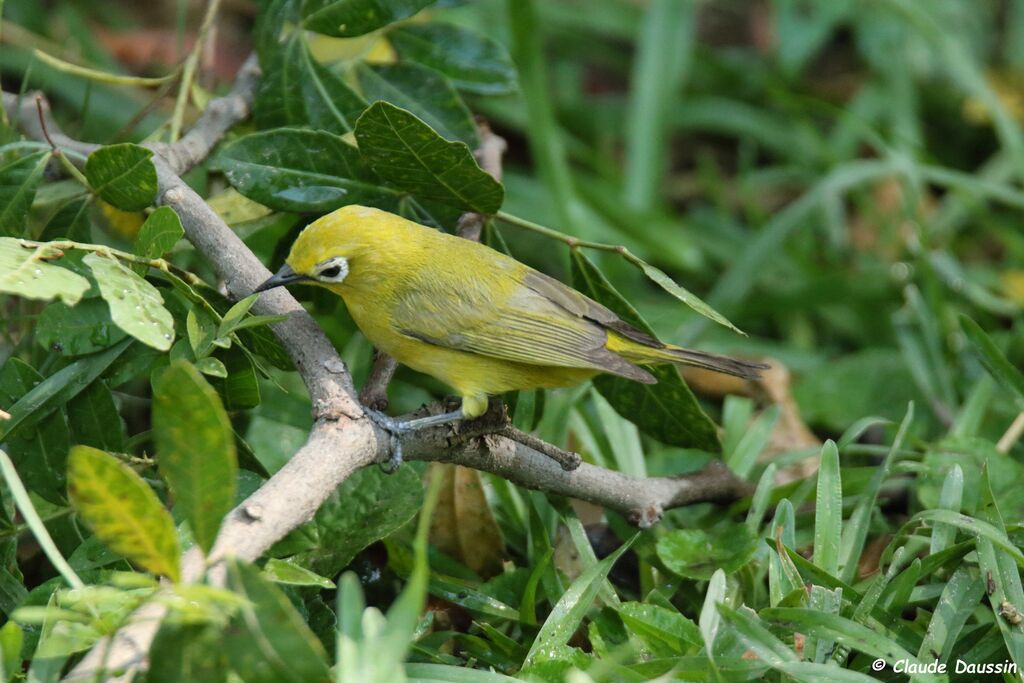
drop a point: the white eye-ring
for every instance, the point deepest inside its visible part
(332, 270)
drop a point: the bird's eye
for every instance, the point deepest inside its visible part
(331, 273)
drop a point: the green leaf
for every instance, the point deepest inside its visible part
(38, 448)
(408, 153)
(85, 328)
(960, 597)
(660, 278)
(235, 315)
(828, 511)
(845, 632)
(11, 639)
(70, 222)
(296, 90)
(123, 511)
(94, 419)
(19, 179)
(269, 640)
(196, 449)
(135, 305)
(290, 574)
(159, 233)
(668, 410)
(695, 554)
(443, 673)
(660, 626)
(422, 92)
(1008, 376)
(348, 18)
(123, 175)
(473, 62)
(24, 271)
(302, 170)
(187, 652)
(572, 606)
(369, 506)
(58, 388)
(212, 366)
(757, 637)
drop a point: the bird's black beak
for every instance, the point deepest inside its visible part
(285, 276)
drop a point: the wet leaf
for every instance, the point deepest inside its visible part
(25, 272)
(135, 305)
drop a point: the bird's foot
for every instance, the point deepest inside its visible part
(397, 429)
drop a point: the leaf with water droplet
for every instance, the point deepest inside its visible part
(123, 290)
(75, 331)
(18, 265)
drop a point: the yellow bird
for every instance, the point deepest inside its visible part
(478, 320)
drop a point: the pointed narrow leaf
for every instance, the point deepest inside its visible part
(19, 179)
(662, 279)
(828, 511)
(410, 154)
(290, 169)
(668, 410)
(196, 448)
(270, 640)
(135, 305)
(1009, 377)
(24, 271)
(348, 18)
(123, 511)
(94, 419)
(568, 612)
(123, 175)
(159, 233)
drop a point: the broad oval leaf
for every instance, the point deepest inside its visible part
(668, 410)
(24, 271)
(123, 175)
(424, 93)
(159, 233)
(410, 154)
(347, 18)
(473, 62)
(135, 305)
(123, 511)
(695, 554)
(290, 169)
(76, 331)
(196, 448)
(19, 179)
(296, 90)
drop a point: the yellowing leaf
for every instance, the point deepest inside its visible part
(123, 511)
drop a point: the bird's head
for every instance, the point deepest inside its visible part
(326, 251)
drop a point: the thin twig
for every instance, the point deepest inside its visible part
(188, 72)
(569, 460)
(374, 393)
(1012, 435)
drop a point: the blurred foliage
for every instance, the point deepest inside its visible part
(840, 179)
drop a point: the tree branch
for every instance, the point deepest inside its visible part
(342, 440)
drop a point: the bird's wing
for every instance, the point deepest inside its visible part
(524, 326)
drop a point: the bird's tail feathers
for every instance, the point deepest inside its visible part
(702, 359)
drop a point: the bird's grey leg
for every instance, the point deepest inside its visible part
(399, 428)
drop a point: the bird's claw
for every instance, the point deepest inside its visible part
(395, 429)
